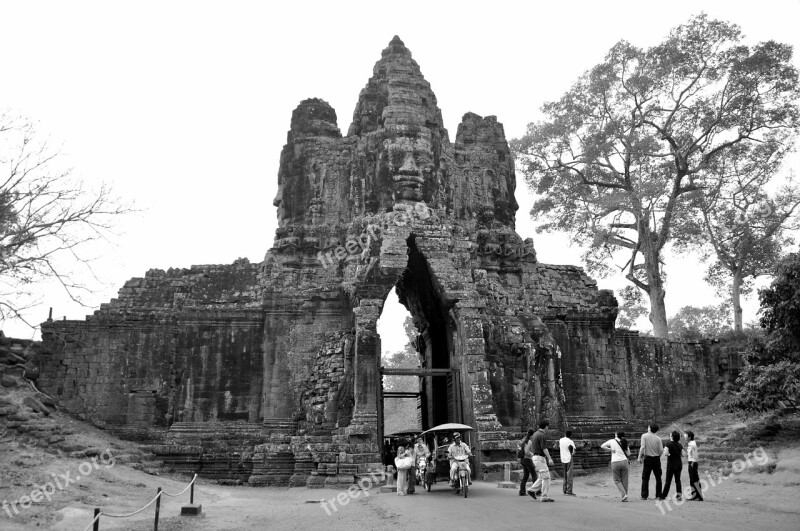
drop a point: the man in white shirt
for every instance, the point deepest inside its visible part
(694, 476)
(567, 447)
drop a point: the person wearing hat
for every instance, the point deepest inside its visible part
(457, 449)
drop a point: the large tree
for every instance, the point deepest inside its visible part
(47, 217)
(693, 324)
(618, 153)
(738, 223)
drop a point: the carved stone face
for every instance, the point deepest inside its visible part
(409, 161)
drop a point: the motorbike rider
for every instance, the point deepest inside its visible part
(422, 452)
(458, 449)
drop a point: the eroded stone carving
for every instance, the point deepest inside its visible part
(287, 350)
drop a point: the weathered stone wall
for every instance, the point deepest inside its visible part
(182, 345)
(281, 359)
(620, 374)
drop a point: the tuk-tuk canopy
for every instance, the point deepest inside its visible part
(403, 433)
(452, 426)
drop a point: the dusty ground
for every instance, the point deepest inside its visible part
(731, 505)
(759, 497)
(743, 501)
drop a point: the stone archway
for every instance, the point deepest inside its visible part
(443, 389)
(419, 293)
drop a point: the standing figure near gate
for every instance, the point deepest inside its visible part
(650, 454)
(457, 449)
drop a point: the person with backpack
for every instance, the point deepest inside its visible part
(618, 446)
(525, 454)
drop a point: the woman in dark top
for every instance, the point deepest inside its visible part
(673, 450)
(527, 464)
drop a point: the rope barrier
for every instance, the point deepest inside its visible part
(157, 496)
(134, 512)
(96, 518)
(181, 492)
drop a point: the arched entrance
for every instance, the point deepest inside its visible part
(439, 391)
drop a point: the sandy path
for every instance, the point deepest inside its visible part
(729, 506)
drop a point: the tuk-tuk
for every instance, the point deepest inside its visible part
(439, 440)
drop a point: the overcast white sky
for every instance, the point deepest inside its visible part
(183, 107)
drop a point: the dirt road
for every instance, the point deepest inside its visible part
(728, 506)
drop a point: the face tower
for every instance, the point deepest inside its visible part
(271, 372)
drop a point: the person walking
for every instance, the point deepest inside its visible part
(527, 462)
(694, 475)
(402, 465)
(650, 451)
(540, 451)
(387, 454)
(567, 448)
(674, 451)
(618, 446)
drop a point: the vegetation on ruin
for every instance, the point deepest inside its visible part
(772, 363)
(48, 217)
(623, 155)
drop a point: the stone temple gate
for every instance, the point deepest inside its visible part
(269, 372)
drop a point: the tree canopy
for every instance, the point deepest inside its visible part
(620, 151)
(739, 224)
(47, 217)
(693, 323)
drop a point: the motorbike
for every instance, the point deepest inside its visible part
(422, 466)
(440, 464)
(430, 474)
(462, 475)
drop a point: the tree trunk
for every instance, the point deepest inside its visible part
(658, 310)
(736, 289)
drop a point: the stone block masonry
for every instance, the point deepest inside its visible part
(269, 373)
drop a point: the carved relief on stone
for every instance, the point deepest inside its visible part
(502, 246)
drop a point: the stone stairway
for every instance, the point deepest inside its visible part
(504, 451)
(222, 451)
(142, 459)
(589, 432)
(719, 456)
(497, 448)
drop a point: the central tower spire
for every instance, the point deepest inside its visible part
(396, 96)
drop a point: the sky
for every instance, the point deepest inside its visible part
(183, 107)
